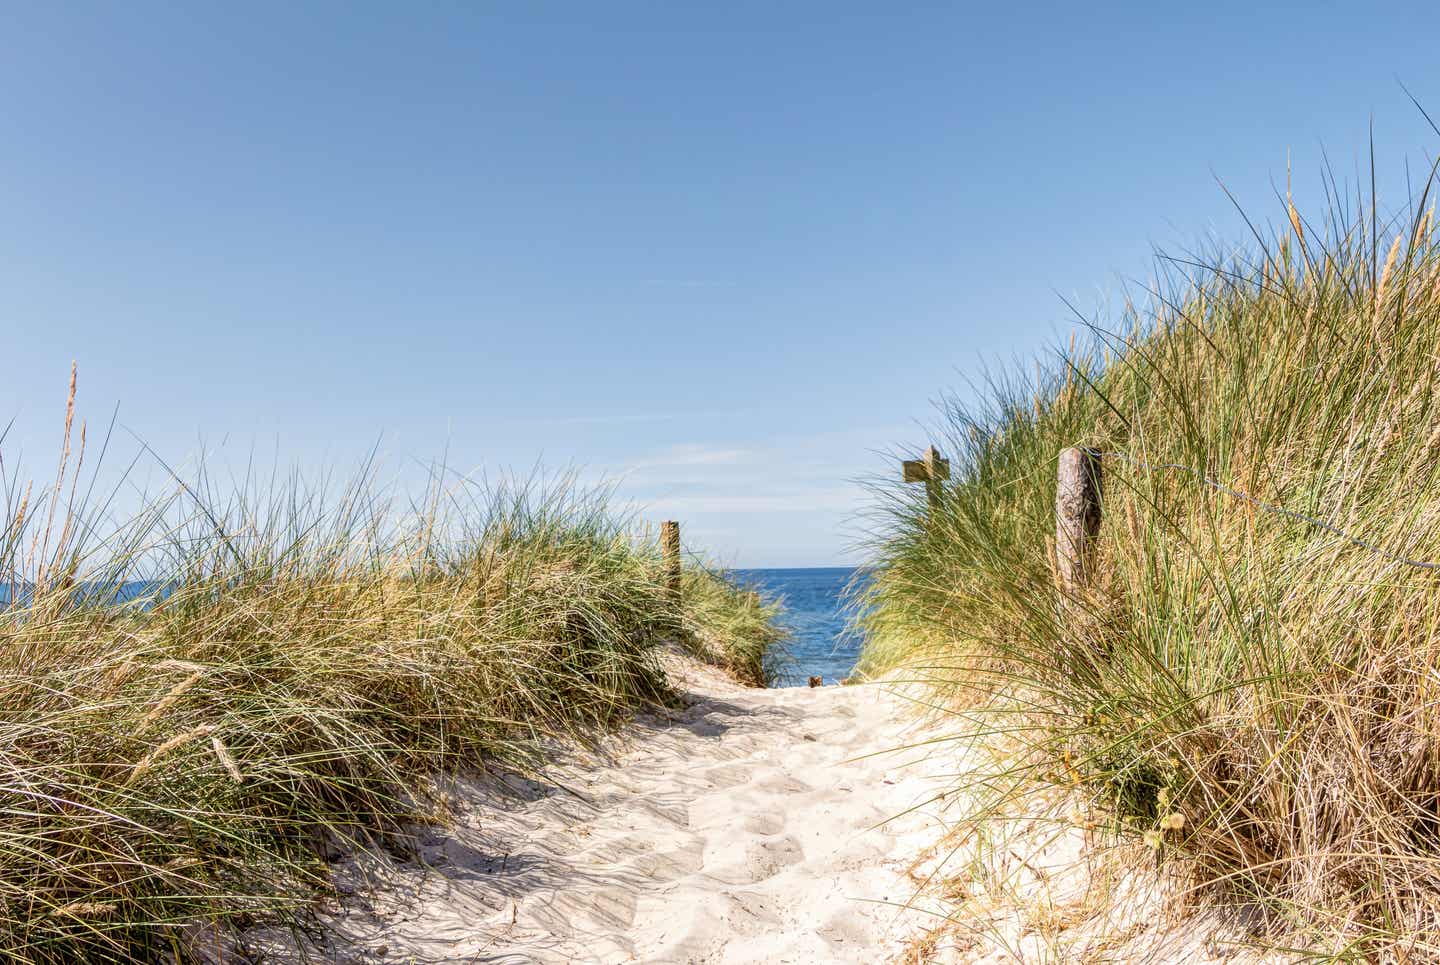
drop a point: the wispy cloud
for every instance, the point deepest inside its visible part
(694, 454)
(694, 479)
(685, 283)
(792, 498)
(827, 499)
(625, 418)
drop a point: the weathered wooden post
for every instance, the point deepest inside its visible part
(1077, 516)
(670, 548)
(930, 470)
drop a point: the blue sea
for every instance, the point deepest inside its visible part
(813, 600)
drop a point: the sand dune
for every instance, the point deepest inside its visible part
(749, 827)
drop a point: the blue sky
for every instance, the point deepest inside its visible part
(725, 254)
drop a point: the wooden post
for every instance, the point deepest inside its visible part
(670, 547)
(1077, 515)
(931, 470)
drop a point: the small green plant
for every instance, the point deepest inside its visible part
(1254, 668)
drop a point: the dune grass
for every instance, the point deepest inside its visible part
(1251, 680)
(299, 660)
(733, 626)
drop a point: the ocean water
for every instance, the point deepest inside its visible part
(813, 599)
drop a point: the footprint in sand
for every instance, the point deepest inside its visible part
(653, 856)
(770, 856)
(728, 775)
(610, 906)
(764, 824)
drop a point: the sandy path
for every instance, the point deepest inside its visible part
(741, 829)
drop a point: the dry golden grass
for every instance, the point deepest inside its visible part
(1249, 683)
(199, 698)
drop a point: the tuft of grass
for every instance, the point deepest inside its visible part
(733, 626)
(1250, 680)
(199, 699)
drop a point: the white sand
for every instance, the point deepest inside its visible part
(741, 829)
(1044, 889)
(785, 826)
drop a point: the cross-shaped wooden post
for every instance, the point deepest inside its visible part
(930, 470)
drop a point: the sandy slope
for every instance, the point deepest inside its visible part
(741, 829)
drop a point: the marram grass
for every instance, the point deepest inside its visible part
(306, 666)
(1254, 694)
